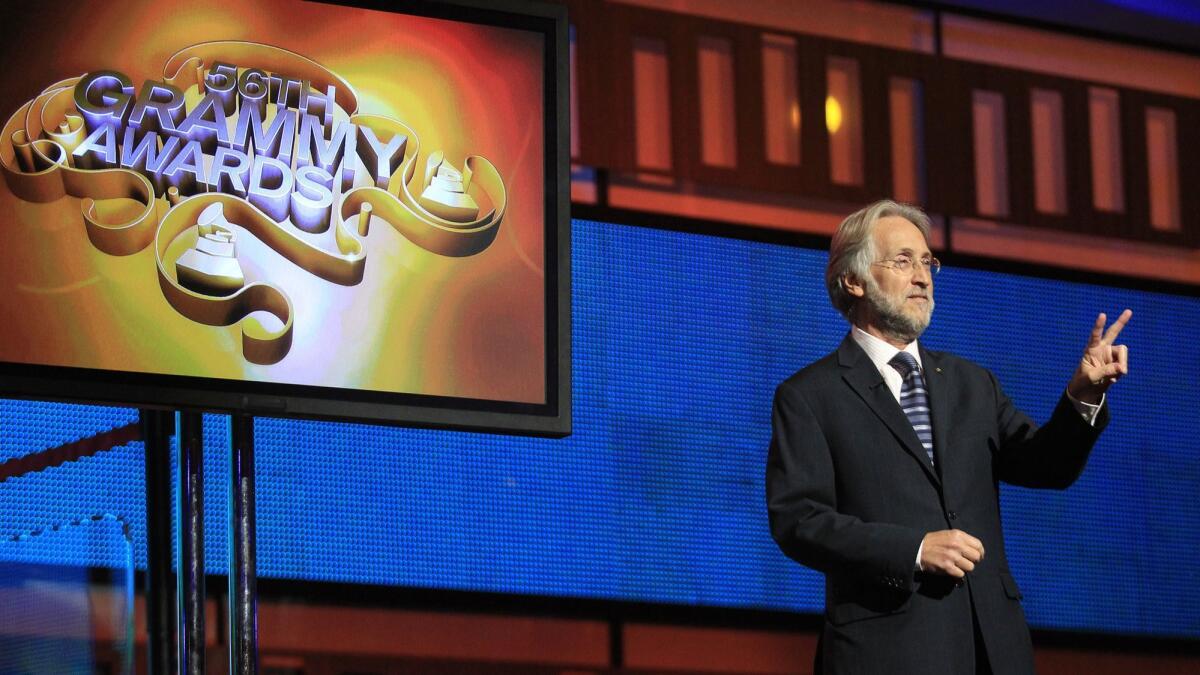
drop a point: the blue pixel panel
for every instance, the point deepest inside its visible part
(1170, 23)
(679, 341)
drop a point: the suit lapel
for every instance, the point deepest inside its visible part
(862, 376)
(937, 386)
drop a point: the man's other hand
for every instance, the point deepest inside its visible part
(951, 552)
(1103, 362)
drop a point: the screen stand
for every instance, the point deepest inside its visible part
(157, 426)
(189, 587)
(243, 595)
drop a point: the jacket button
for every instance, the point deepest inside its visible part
(953, 515)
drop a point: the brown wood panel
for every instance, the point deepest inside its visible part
(949, 139)
(1137, 191)
(687, 128)
(1104, 223)
(753, 167)
(814, 138)
(1019, 137)
(680, 36)
(1133, 164)
(1062, 661)
(296, 628)
(696, 649)
(1077, 148)
(1188, 126)
(752, 150)
(909, 66)
(1076, 143)
(877, 127)
(604, 54)
(873, 119)
(605, 84)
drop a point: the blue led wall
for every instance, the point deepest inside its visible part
(679, 341)
(1167, 23)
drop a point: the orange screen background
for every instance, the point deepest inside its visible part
(418, 322)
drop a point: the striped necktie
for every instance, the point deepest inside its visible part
(914, 400)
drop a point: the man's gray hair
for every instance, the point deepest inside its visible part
(853, 248)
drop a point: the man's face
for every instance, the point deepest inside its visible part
(900, 304)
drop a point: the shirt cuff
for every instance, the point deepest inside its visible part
(917, 562)
(1089, 411)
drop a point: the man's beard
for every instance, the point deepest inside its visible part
(890, 316)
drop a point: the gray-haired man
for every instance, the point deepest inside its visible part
(885, 459)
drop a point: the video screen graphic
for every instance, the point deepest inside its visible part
(286, 193)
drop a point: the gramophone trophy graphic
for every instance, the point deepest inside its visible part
(273, 148)
(211, 266)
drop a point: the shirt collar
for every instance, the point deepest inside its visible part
(880, 352)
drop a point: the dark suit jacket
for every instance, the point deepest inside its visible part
(851, 493)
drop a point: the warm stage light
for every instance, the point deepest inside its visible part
(833, 114)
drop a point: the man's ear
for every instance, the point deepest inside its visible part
(853, 286)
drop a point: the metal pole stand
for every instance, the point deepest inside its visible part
(189, 588)
(157, 426)
(243, 589)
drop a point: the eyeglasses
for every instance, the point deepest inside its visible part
(904, 264)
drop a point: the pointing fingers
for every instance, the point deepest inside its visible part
(1114, 330)
(1097, 330)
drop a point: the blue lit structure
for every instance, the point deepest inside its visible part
(679, 340)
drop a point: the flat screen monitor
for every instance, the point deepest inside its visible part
(284, 208)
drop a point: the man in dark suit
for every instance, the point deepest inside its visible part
(885, 461)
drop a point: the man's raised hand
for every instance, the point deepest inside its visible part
(1103, 362)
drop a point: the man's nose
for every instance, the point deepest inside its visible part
(921, 275)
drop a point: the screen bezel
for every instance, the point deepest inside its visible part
(553, 418)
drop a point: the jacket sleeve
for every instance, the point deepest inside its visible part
(802, 506)
(1050, 456)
